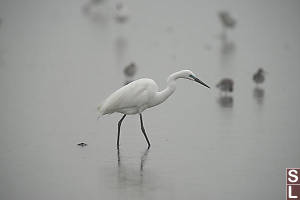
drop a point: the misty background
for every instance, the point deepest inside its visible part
(60, 59)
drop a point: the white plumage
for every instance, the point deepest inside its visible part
(139, 95)
(130, 99)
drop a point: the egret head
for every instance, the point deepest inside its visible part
(188, 74)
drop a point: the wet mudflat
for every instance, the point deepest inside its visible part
(58, 61)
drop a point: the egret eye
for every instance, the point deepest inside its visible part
(192, 77)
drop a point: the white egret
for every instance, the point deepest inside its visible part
(140, 95)
(130, 70)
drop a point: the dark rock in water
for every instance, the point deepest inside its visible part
(82, 144)
(259, 76)
(226, 19)
(130, 69)
(225, 85)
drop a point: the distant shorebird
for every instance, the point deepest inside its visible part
(122, 13)
(90, 6)
(226, 85)
(227, 20)
(259, 76)
(130, 69)
(259, 94)
(226, 101)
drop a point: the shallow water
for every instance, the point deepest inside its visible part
(57, 63)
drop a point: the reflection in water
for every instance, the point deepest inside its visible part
(121, 46)
(97, 11)
(143, 160)
(227, 46)
(228, 22)
(227, 50)
(207, 47)
(225, 101)
(169, 29)
(125, 178)
(136, 181)
(119, 157)
(259, 94)
(121, 51)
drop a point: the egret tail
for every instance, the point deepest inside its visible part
(100, 111)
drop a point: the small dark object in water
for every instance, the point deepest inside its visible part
(225, 85)
(226, 19)
(130, 69)
(82, 144)
(259, 76)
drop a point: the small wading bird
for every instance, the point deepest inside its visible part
(122, 13)
(227, 20)
(259, 76)
(225, 85)
(140, 95)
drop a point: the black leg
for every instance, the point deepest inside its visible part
(119, 129)
(143, 130)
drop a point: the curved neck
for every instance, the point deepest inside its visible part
(161, 96)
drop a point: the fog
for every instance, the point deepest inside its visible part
(60, 59)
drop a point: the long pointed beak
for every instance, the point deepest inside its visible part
(199, 81)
